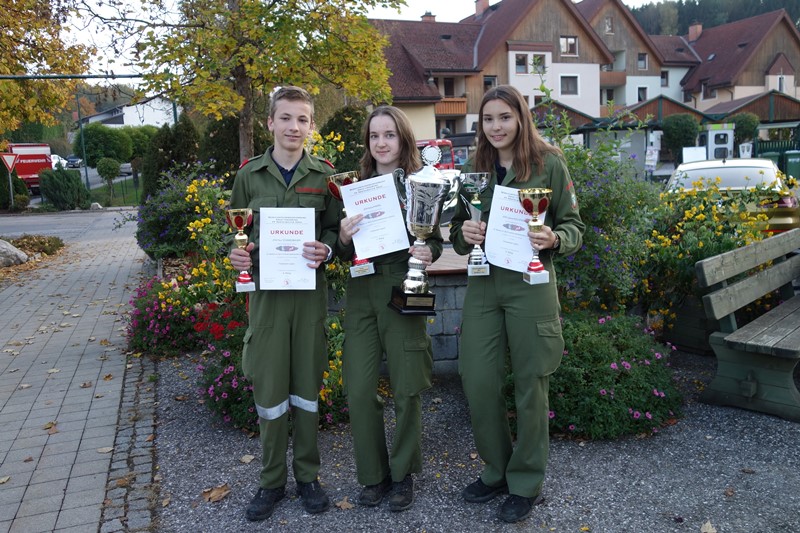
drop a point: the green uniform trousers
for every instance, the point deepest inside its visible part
(284, 357)
(504, 314)
(372, 329)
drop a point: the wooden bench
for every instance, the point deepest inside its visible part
(755, 361)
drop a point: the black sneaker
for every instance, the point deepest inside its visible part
(402, 494)
(313, 496)
(517, 508)
(372, 495)
(480, 492)
(263, 503)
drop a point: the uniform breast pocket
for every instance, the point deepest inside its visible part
(263, 201)
(316, 201)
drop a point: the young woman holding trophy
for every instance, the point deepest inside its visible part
(374, 329)
(502, 313)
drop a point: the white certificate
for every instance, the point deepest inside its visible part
(283, 232)
(507, 243)
(382, 230)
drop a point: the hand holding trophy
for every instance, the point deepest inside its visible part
(239, 219)
(535, 203)
(360, 267)
(475, 183)
(422, 195)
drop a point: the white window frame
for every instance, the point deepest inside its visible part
(639, 57)
(665, 78)
(524, 65)
(566, 42)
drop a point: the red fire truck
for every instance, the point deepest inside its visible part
(33, 158)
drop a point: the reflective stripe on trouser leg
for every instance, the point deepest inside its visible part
(284, 356)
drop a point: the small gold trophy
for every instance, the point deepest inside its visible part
(475, 183)
(239, 219)
(535, 203)
(360, 267)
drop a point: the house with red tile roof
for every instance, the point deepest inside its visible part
(636, 74)
(742, 59)
(441, 70)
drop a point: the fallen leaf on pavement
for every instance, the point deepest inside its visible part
(181, 398)
(473, 456)
(86, 384)
(4, 479)
(27, 459)
(217, 493)
(108, 377)
(54, 371)
(729, 492)
(107, 449)
(150, 438)
(50, 424)
(748, 471)
(13, 370)
(708, 528)
(247, 459)
(437, 400)
(344, 504)
(165, 502)
(24, 386)
(92, 339)
(105, 342)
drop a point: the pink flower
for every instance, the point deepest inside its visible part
(602, 392)
(551, 415)
(572, 427)
(648, 415)
(658, 355)
(614, 366)
(601, 321)
(626, 365)
(637, 415)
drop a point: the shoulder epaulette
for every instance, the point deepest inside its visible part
(329, 164)
(248, 160)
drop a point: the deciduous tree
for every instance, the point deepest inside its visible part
(32, 45)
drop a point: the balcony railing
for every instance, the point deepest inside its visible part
(451, 107)
(613, 78)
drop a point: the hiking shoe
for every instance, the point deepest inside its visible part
(517, 508)
(372, 495)
(263, 503)
(313, 496)
(480, 492)
(402, 494)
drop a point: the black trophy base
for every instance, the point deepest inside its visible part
(412, 304)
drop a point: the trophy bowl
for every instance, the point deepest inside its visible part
(423, 195)
(473, 184)
(535, 202)
(239, 219)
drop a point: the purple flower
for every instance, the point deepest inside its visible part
(571, 427)
(551, 415)
(626, 365)
(601, 321)
(637, 415)
(614, 366)
(648, 415)
(603, 392)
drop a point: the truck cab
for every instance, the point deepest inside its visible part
(33, 158)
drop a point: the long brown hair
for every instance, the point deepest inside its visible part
(410, 160)
(529, 146)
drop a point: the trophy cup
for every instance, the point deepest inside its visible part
(535, 202)
(360, 267)
(240, 219)
(475, 183)
(422, 195)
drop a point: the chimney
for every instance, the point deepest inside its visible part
(427, 17)
(480, 7)
(695, 30)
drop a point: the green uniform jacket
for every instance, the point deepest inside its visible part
(562, 214)
(259, 183)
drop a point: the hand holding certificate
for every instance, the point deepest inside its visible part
(284, 232)
(382, 230)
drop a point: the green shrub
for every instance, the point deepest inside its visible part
(680, 131)
(21, 202)
(221, 144)
(64, 189)
(17, 185)
(614, 380)
(103, 141)
(347, 122)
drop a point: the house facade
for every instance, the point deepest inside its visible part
(155, 111)
(588, 55)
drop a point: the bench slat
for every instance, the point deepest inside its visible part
(737, 295)
(716, 269)
(768, 333)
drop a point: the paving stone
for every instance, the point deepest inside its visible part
(41, 523)
(112, 527)
(138, 520)
(79, 516)
(47, 504)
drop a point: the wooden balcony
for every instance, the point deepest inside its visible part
(451, 107)
(612, 78)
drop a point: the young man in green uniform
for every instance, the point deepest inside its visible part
(284, 352)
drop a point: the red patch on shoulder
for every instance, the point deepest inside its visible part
(243, 163)
(329, 164)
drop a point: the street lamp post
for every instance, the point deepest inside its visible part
(83, 144)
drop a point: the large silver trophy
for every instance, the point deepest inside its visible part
(474, 183)
(422, 195)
